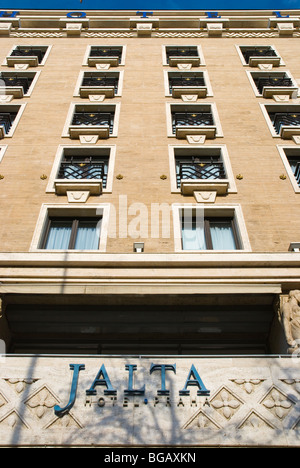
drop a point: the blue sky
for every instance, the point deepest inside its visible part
(152, 5)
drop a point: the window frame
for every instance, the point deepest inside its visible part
(11, 108)
(83, 72)
(98, 107)
(48, 50)
(245, 64)
(283, 108)
(250, 74)
(283, 150)
(233, 211)
(75, 222)
(66, 211)
(204, 74)
(218, 150)
(89, 48)
(199, 49)
(111, 153)
(207, 106)
(24, 73)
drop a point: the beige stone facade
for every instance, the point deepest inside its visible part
(165, 300)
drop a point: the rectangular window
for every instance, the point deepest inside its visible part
(10, 115)
(99, 55)
(209, 228)
(290, 156)
(72, 234)
(209, 233)
(99, 120)
(283, 119)
(17, 84)
(93, 84)
(200, 168)
(182, 56)
(193, 119)
(273, 83)
(256, 55)
(31, 55)
(79, 168)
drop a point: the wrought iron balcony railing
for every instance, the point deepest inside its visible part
(106, 52)
(181, 52)
(181, 80)
(191, 119)
(6, 120)
(22, 81)
(94, 119)
(279, 119)
(199, 168)
(76, 167)
(295, 166)
(258, 52)
(281, 81)
(22, 51)
(100, 80)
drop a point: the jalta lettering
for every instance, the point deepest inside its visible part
(102, 379)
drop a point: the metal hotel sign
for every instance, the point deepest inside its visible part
(95, 401)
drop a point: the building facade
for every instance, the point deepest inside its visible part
(149, 187)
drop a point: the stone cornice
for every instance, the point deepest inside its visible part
(105, 23)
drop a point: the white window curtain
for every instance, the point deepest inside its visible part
(87, 237)
(59, 235)
(193, 236)
(222, 236)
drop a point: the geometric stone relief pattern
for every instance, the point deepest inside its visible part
(42, 402)
(278, 403)
(13, 420)
(241, 405)
(255, 421)
(240, 34)
(226, 403)
(19, 385)
(248, 385)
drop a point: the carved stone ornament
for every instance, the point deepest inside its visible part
(265, 66)
(189, 97)
(281, 97)
(196, 139)
(96, 97)
(102, 66)
(205, 197)
(21, 66)
(184, 66)
(289, 317)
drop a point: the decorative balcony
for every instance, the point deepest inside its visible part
(187, 83)
(15, 85)
(33, 56)
(201, 174)
(193, 123)
(260, 55)
(269, 85)
(176, 55)
(96, 123)
(82, 173)
(108, 55)
(6, 121)
(96, 83)
(286, 124)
